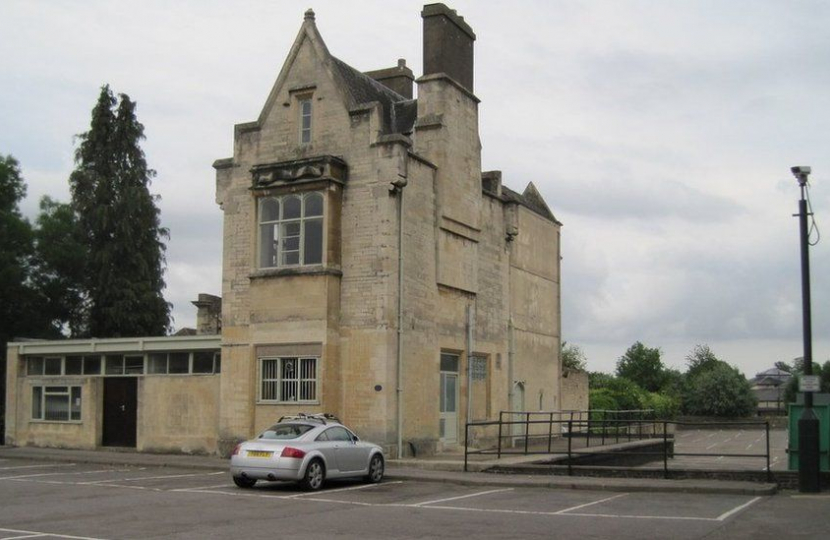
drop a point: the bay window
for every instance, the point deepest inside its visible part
(291, 230)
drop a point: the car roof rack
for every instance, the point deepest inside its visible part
(323, 418)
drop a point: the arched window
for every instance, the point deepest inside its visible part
(291, 230)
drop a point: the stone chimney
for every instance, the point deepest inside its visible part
(398, 79)
(208, 314)
(448, 44)
(491, 182)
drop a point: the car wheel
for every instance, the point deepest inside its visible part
(243, 482)
(315, 473)
(375, 469)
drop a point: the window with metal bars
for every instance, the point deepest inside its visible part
(288, 379)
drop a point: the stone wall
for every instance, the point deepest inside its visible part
(178, 414)
(574, 390)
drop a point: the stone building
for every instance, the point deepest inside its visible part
(370, 270)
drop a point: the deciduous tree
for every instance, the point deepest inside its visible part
(643, 366)
(719, 391)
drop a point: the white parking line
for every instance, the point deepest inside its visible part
(737, 509)
(22, 476)
(141, 488)
(704, 438)
(461, 497)
(352, 488)
(307, 496)
(628, 516)
(591, 503)
(201, 488)
(150, 478)
(432, 505)
(35, 467)
(32, 534)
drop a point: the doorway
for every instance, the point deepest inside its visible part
(518, 407)
(448, 402)
(120, 411)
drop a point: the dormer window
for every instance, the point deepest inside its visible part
(291, 230)
(305, 120)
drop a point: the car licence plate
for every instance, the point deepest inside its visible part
(259, 453)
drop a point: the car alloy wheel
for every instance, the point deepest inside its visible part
(314, 476)
(375, 469)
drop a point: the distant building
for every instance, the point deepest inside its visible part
(769, 387)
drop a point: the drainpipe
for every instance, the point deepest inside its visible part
(469, 365)
(510, 383)
(397, 187)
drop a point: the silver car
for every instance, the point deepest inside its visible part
(307, 448)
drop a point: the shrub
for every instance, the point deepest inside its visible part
(665, 406)
(719, 391)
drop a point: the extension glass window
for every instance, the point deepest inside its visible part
(291, 230)
(56, 403)
(288, 379)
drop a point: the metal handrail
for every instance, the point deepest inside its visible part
(604, 425)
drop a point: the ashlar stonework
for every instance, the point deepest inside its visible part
(435, 298)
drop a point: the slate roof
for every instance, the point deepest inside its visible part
(771, 377)
(537, 206)
(399, 116)
(364, 89)
(404, 115)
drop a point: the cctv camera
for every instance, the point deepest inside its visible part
(801, 173)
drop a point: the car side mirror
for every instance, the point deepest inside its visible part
(356, 438)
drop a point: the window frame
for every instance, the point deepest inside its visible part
(304, 131)
(278, 236)
(130, 364)
(275, 377)
(70, 391)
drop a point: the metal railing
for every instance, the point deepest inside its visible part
(586, 426)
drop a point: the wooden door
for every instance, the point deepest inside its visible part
(120, 411)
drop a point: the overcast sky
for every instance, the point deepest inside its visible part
(660, 133)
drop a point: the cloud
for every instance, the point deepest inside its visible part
(661, 134)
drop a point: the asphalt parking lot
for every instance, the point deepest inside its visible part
(730, 441)
(88, 501)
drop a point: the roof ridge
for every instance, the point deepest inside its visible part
(375, 84)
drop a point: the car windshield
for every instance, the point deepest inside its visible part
(285, 431)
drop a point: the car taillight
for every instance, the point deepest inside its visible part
(292, 452)
(236, 449)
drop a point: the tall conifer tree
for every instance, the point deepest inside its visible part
(15, 250)
(120, 224)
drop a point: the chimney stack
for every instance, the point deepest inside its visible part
(208, 314)
(399, 78)
(448, 44)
